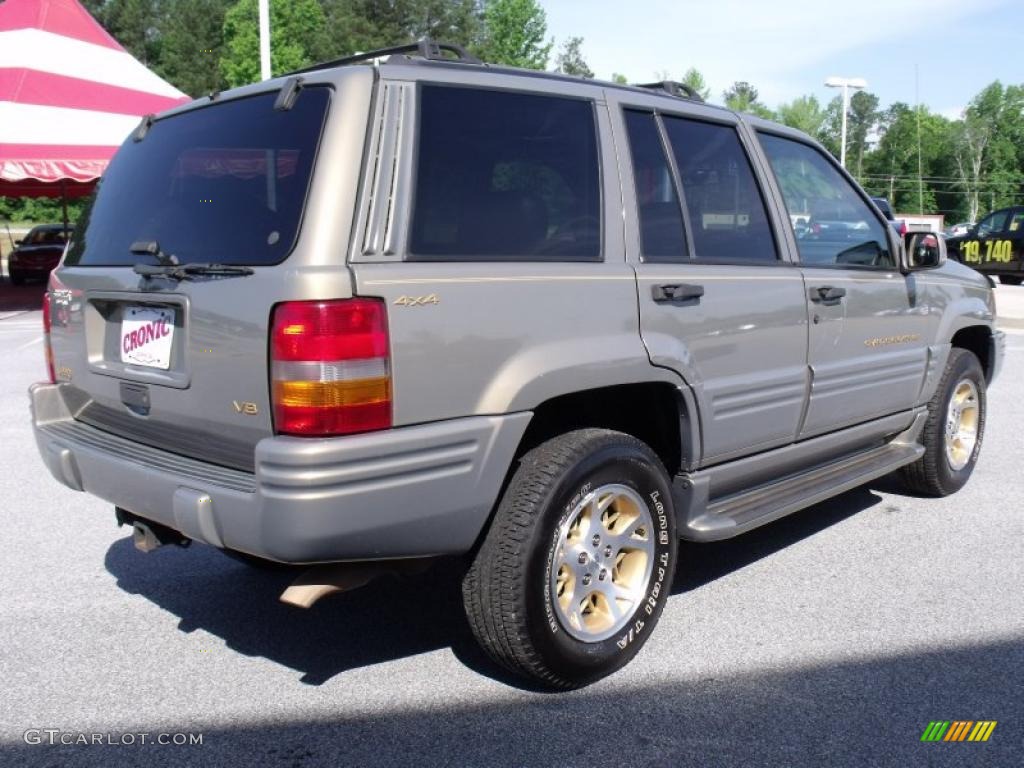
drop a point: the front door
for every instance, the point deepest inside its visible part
(716, 302)
(868, 335)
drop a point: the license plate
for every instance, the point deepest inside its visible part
(146, 336)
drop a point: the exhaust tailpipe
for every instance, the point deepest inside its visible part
(322, 580)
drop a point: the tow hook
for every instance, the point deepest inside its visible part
(322, 580)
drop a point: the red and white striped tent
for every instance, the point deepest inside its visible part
(69, 95)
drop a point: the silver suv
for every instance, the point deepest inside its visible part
(371, 313)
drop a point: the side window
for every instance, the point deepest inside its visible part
(992, 224)
(505, 176)
(727, 215)
(832, 223)
(660, 217)
(1017, 223)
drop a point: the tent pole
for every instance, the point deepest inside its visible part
(64, 202)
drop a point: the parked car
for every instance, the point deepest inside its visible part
(957, 230)
(883, 205)
(37, 254)
(995, 246)
(361, 316)
(899, 226)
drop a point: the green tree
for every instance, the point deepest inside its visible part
(860, 120)
(570, 59)
(695, 80)
(988, 149)
(191, 46)
(364, 25)
(912, 161)
(619, 78)
(831, 127)
(296, 32)
(803, 113)
(515, 33)
(742, 97)
(135, 24)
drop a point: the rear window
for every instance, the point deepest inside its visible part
(505, 176)
(225, 183)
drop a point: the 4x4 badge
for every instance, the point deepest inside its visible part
(417, 301)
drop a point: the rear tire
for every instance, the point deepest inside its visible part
(1010, 279)
(953, 434)
(577, 564)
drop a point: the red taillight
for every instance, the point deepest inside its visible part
(330, 367)
(47, 347)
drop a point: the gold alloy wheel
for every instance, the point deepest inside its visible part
(962, 419)
(603, 559)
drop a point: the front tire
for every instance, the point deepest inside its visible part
(953, 434)
(577, 564)
(1010, 279)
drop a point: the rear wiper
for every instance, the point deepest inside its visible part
(152, 248)
(184, 271)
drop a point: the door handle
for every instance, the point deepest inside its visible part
(827, 294)
(677, 292)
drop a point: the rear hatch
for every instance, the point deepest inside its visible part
(179, 361)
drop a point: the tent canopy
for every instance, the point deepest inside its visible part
(69, 95)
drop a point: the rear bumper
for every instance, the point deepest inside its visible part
(407, 492)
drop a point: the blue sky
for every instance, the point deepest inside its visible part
(786, 48)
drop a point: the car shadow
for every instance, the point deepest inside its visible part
(21, 298)
(395, 616)
(841, 713)
(702, 563)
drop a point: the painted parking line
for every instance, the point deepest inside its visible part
(29, 344)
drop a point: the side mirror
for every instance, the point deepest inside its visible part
(923, 250)
(17, 243)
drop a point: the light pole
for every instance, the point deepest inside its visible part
(846, 83)
(264, 17)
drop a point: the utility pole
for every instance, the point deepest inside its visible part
(920, 179)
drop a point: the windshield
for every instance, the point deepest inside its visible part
(225, 183)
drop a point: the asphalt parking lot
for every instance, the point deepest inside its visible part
(832, 637)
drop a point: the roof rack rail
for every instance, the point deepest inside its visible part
(673, 88)
(425, 49)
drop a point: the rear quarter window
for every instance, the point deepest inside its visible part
(505, 176)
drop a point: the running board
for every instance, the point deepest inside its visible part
(702, 520)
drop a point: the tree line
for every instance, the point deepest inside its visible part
(921, 161)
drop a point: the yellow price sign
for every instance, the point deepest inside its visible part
(993, 250)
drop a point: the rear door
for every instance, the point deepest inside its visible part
(868, 333)
(181, 364)
(717, 304)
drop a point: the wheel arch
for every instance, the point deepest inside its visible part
(977, 339)
(661, 414)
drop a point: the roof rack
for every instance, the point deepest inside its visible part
(673, 88)
(425, 49)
